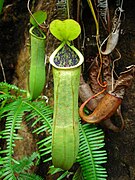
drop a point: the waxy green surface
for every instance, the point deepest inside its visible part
(37, 65)
(65, 140)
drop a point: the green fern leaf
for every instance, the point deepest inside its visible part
(6, 97)
(27, 176)
(45, 148)
(91, 155)
(5, 87)
(63, 173)
(25, 163)
(53, 170)
(66, 173)
(9, 93)
(43, 114)
(13, 113)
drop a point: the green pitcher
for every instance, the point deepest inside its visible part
(37, 65)
(66, 61)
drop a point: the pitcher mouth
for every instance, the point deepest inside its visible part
(37, 33)
(66, 56)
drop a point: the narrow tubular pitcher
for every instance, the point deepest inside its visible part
(37, 65)
(66, 61)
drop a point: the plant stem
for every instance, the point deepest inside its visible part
(97, 41)
(94, 16)
(2, 68)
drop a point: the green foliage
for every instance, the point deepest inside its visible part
(54, 170)
(40, 17)
(66, 30)
(14, 113)
(9, 90)
(25, 163)
(90, 157)
(5, 87)
(1, 5)
(43, 115)
(27, 176)
(9, 93)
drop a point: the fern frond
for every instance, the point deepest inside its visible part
(5, 98)
(45, 147)
(13, 113)
(27, 176)
(9, 93)
(63, 175)
(43, 114)
(53, 170)
(5, 87)
(91, 155)
(25, 163)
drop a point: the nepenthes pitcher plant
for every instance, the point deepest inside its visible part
(66, 62)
